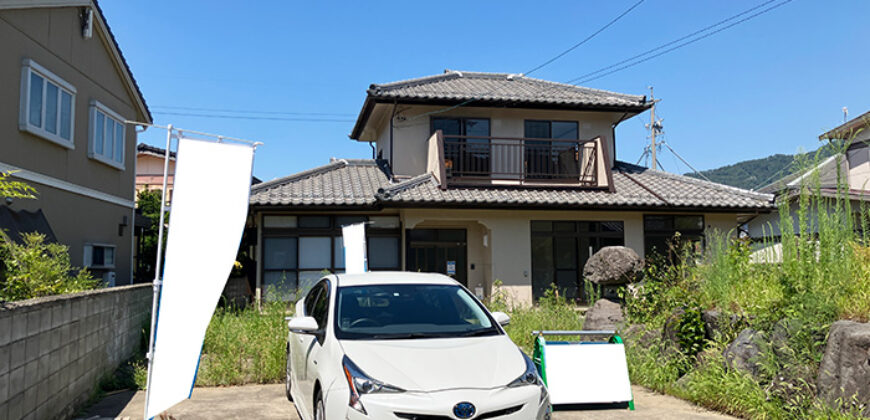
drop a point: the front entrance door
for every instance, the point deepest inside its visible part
(438, 251)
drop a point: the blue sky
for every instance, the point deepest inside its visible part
(769, 85)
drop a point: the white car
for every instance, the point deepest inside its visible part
(406, 346)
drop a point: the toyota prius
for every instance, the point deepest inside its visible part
(396, 345)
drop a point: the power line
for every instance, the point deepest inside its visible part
(684, 161)
(585, 40)
(558, 56)
(588, 77)
(248, 111)
(246, 117)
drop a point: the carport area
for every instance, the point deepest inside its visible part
(268, 402)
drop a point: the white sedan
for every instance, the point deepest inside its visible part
(406, 346)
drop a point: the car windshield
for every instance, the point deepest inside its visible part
(408, 311)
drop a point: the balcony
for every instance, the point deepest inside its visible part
(476, 160)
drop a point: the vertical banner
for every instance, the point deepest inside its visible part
(209, 208)
(354, 237)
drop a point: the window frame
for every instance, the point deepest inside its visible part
(88, 256)
(669, 234)
(28, 68)
(99, 107)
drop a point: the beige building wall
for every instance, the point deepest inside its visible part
(84, 200)
(507, 254)
(411, 129)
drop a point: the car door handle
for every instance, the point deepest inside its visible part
(314, 361)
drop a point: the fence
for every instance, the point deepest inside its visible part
(54, 350)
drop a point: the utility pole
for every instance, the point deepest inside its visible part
(655, 127)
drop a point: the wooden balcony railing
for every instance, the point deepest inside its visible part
(529, 160)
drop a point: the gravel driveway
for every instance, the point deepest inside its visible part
(268, 402)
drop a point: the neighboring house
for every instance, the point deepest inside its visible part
(149, 169)
(66, 93)
(851, 169)
(485, 177)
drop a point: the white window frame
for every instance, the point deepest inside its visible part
(88, 256)
(97, 106)
(28, 67)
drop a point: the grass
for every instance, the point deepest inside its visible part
(244, 346)
(823, 275)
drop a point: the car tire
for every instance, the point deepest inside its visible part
(319, 409)
(287, 384)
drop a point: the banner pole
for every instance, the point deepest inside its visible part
(157, 282)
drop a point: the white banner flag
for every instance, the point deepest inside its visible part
(354, 238)
(209, 208)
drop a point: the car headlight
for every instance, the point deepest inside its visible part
(360, 384)
(530, 377)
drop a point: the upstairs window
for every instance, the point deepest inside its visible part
(106, 135)
(47, 107)
(466, 146)
(555, 152)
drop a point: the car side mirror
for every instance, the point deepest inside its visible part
(502, 318)
(303, 325)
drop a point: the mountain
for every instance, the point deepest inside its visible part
(756, 173)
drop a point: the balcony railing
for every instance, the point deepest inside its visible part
(528, 160)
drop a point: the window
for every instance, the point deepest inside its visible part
(106, 136)
(560, 250)
(660, 234)
(466, 145)
(99, 256)
(47, 107)
(548, 159)
(298, 250)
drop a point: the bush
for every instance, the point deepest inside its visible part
(35, 268)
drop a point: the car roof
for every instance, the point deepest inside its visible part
(392, 277)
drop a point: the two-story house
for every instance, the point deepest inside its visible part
(850, 168)
(66, 94)
(485, 177)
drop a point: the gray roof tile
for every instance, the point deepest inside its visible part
(363, 183)
(500, 87)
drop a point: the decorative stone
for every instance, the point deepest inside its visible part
(745, 352)
(844, 373)
(613, 265)
(604, 315)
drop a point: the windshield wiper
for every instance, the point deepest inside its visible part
(404, 336)
(475, 333)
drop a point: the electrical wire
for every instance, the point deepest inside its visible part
(247, 111)
(588, 77)
(684, 161)
(245, 117)
(585, 40)
(549, 61)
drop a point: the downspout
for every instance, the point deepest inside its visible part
(374, 153)
(392, 116)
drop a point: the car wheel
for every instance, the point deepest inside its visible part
(319, 411)
(287, 376)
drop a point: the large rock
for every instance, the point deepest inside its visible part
(604, 315)
(718, 324)
(845, 370)
(639, 335)
(745, 352)
(613, 266)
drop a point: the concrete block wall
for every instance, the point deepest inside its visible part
(54, 350)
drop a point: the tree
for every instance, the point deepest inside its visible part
(14, 189)
(148, 206)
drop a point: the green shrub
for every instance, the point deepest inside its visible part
(35, 268)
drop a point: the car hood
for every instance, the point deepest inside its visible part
(434, 364)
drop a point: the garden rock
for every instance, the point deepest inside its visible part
(845, 369)
(780, 339)
(745, 352)
(614, 266)
(604, 315)
(717, 323)
(671, 330)
(639, 335)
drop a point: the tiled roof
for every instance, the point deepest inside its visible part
(342, 182)
(364, 183)
(635, 186)
(501, 87)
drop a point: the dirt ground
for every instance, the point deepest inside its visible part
(268, 402)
